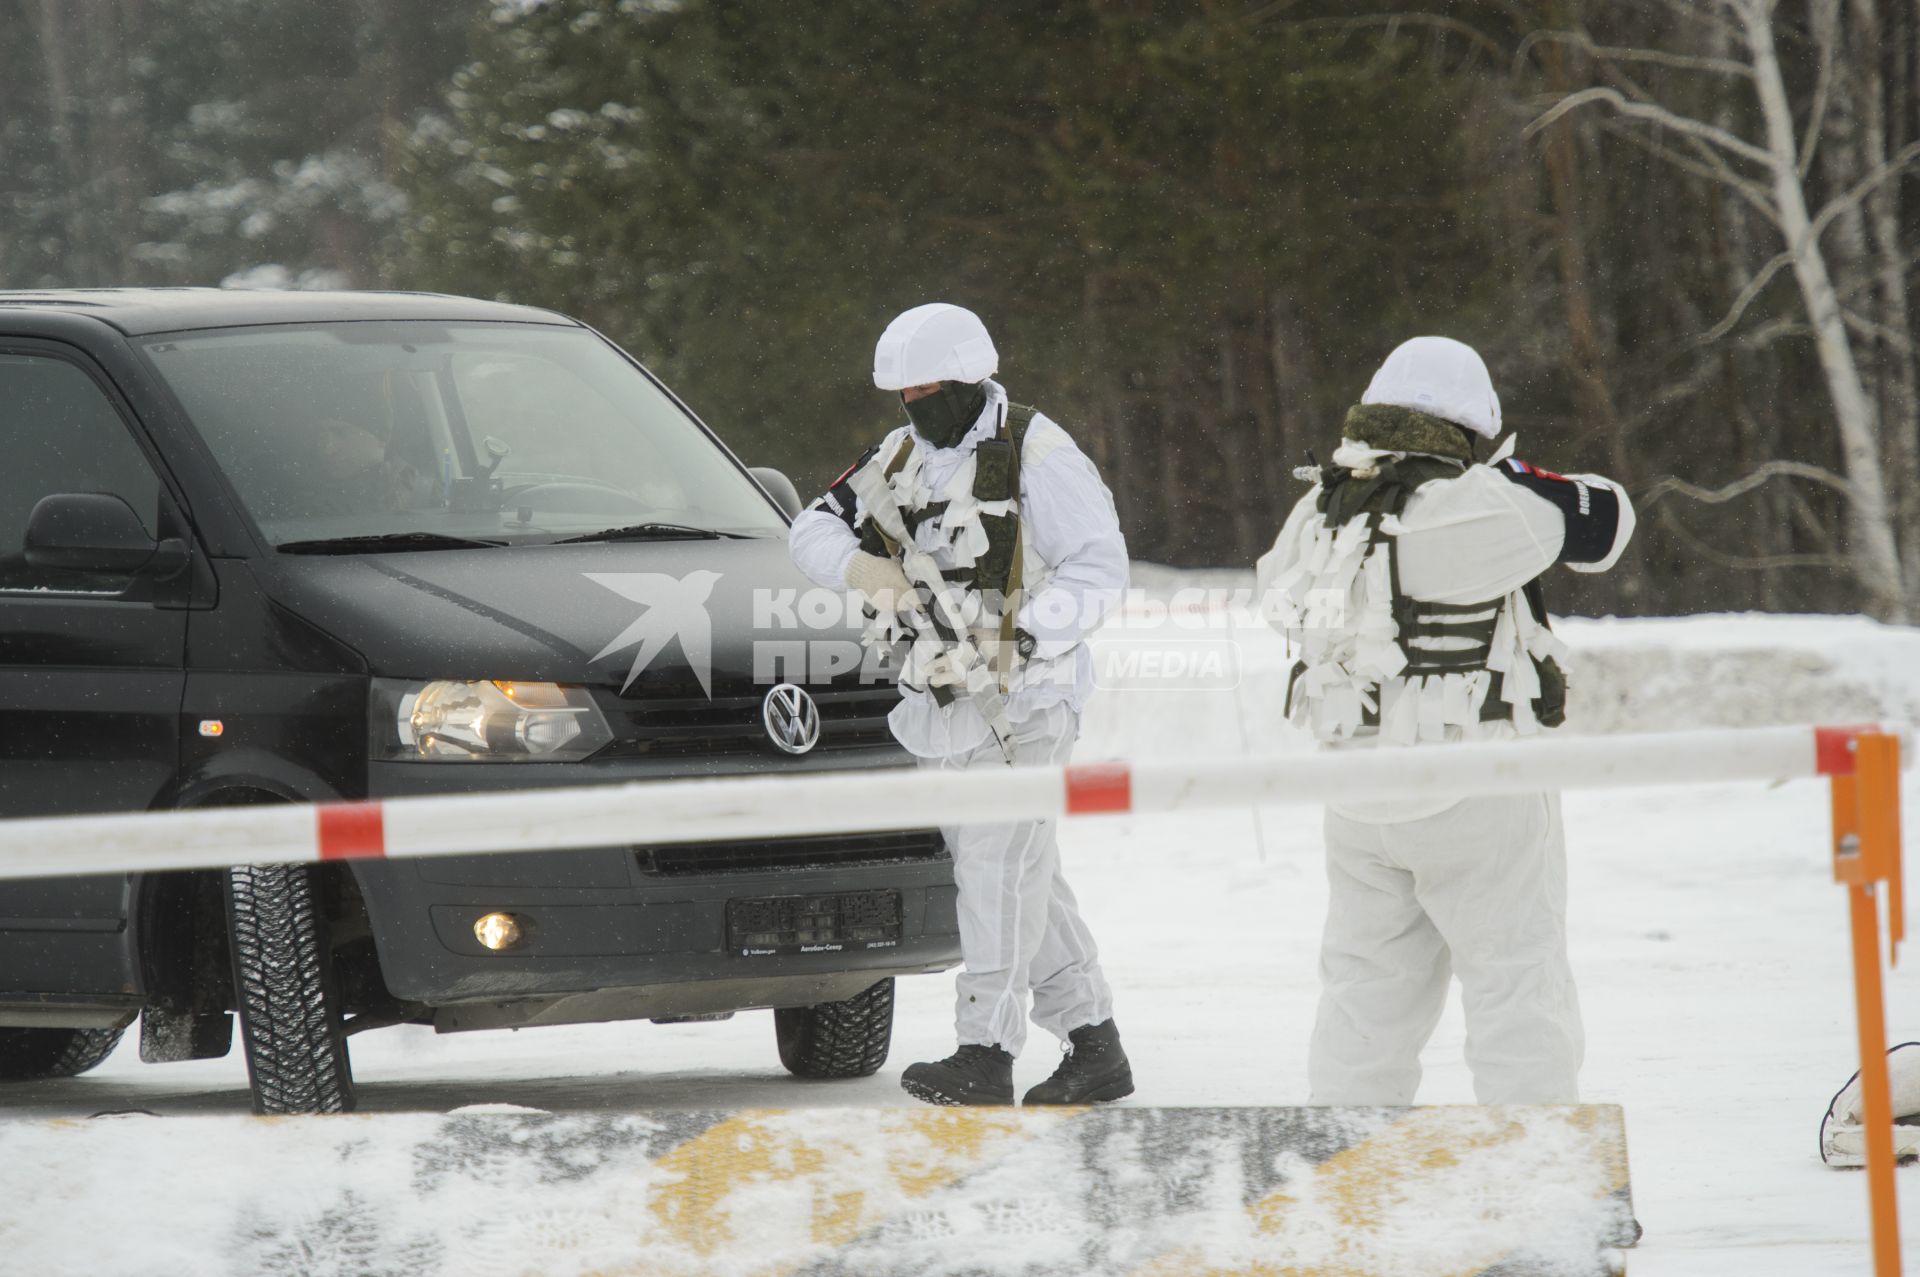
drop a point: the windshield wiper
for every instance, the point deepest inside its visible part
(653, 532)
(380, 543)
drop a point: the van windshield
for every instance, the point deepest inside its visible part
(449, 433)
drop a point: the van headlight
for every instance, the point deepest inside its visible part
(494, 721)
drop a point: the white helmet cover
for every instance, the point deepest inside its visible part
(935, 342)
(1442, 378)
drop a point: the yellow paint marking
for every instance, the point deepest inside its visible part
(952, 1141)
(1607, 1125)
(1363, 1186)
(739, 1150)
(1365, 1181)
(922, 1151)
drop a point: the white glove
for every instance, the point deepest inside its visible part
(942, 672)
(1843, 1135)
(881, 581)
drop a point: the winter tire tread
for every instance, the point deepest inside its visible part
(289, 1017)
(28, 1055)
(845, 1039)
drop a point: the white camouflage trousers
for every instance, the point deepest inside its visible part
(1478, 891)
(1020, 929)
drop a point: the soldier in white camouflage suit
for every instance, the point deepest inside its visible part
(1010, 510)
(1408, 580)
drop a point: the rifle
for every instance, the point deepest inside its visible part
(946, 619)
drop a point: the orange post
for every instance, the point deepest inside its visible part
(1865, 770)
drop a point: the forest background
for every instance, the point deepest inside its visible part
(1684, 233)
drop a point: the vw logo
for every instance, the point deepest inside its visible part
(792, 719)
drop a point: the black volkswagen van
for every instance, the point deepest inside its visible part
(302, 547)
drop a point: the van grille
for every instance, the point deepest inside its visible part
(698, 727)
(917, 846)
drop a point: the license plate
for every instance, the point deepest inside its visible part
(839, 922)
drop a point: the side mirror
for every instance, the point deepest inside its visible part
(97, 532)
(780, 488)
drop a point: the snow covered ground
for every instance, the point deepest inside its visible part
(1710, 944)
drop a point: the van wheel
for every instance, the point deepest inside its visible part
(290, 1021)
(837, 1039)
(28, 1054)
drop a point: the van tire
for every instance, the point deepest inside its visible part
(27, 1055)
(290, 1019)
(841, 1039)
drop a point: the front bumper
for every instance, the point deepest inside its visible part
(617, 933)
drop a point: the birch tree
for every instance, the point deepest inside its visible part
(1767, 166)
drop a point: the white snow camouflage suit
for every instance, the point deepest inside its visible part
(1021, 934)
(1420, 891)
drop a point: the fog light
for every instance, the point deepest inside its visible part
(498, 931)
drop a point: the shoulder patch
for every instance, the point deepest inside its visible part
(1591, 510)
(1518, 466)
(838, 500)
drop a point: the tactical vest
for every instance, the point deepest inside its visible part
(1406, 668)
(1002, 566)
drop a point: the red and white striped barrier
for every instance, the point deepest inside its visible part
(732, 808)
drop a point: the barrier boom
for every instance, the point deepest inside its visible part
(1862, 762)
(744, 807)
(1865, 771)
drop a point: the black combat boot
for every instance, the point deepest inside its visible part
(972, 1075)
(1095, 1068)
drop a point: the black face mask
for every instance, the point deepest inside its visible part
(948, 413)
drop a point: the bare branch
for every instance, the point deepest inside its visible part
(1711, 165)
(1752, 192)
(1808, 520)
(1874, 329)
(1704, 372)
(1255, 17)
(1868, 283)
(1740, 487)
(1822, 93)
(1777, 330)
(1748, 562)
(1614, 53)
(1863, 188)
(1753, 289)
(1694, 10)
(1658, 115)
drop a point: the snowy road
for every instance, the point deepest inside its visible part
(1709, 941)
